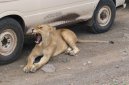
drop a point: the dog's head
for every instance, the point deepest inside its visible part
(42, 31)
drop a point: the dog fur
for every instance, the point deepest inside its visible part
(54, 42)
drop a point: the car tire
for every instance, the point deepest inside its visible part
(11, 40)
(103, 16)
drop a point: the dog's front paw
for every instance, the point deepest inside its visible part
(74, 52)
(34, 68)
(27, 69)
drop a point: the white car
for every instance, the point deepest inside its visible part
(18, 15)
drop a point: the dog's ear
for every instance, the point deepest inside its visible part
(52, 28)
(39, 26)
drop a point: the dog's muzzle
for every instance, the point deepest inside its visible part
(38, 38)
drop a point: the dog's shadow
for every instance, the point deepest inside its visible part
(78, 29)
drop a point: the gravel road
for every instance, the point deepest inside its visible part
(96, 64)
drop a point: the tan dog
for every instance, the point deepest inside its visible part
(51, 42)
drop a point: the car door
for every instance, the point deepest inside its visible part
(31, 10)
(58, 3)
(66, 10)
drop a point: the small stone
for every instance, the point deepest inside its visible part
(117, 66)
(71, 84)
(115, 81)
(97, 81)
(125, 28)
(49, 68)
(84, 64)
(126, 35)
(125, 52)
(105, 84)
(21, 66)
(27, 79)
(111, 42)
(69, 68)
(89, 62)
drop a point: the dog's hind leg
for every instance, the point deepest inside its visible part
(71, 39)
(74, 51)
(68, 50)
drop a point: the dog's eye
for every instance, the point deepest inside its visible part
(32, 30)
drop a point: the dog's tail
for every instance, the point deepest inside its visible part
(94, 41)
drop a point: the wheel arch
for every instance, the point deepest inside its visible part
(18, 19)
(14, 15)
(112, 0)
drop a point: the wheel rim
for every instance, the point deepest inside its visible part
(8, 42)
(104, 16)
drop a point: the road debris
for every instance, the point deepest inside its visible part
(49, 68)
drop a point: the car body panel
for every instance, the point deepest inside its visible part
(54, 12)
(71, 11)
(120, 2)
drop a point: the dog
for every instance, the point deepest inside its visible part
(51, 42)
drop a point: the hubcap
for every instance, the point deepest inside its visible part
(104, 16)
(8, 42)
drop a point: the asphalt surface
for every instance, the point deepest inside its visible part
(96, 64)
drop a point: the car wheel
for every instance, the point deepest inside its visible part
(103, 17)
(11, 40)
